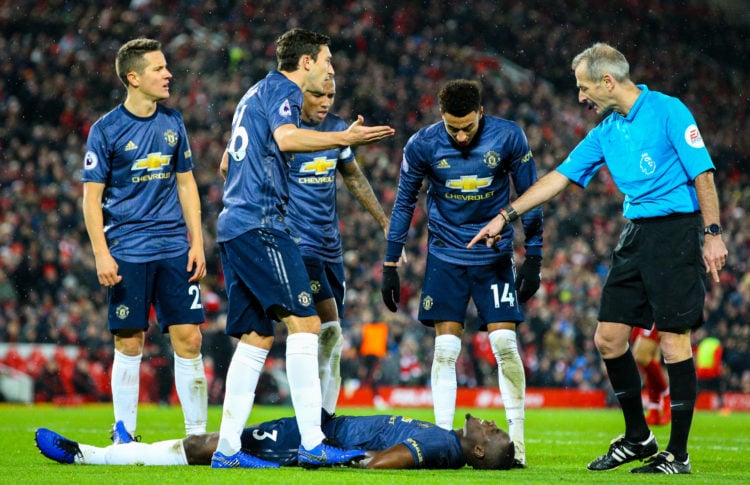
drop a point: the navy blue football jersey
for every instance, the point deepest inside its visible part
(430, 445)
(256, 190)
(137, 158)
(467, 187)
(312, 195)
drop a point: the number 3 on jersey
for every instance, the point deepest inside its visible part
(507, 297)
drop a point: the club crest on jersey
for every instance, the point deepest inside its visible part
(315, 286)
(693, 137)
(170, 136)
(122, 312)
(304, 298)
(153, 161)
(648, 165)
(90, 160)
(427, 302)
(491, 159)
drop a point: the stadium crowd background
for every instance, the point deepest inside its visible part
(57, 78)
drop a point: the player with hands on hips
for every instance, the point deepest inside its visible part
(470, 160)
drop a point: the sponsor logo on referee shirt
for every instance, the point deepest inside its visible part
(693, 137)
(648, 165)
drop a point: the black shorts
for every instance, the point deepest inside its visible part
(657, 274)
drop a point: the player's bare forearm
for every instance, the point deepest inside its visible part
(714, 250)
(708, 199)
(293, 139)
(361, 189)
(187, 191)
(397, 457)
(543, 190)
(106, 266)
(224, 165)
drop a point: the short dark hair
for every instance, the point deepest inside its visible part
(130, 57)
(295, 43)
(460, 97)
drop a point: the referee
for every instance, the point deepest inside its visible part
(652, 147)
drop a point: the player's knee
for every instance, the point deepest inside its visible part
(609, 347)
(129, 342)
(330, 334)
(447, 348)
(187, 344)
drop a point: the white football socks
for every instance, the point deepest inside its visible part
(125, 383)
(190, 382)
(166, 453)
(443, 379)
(329, 363)
(304, 386)
(512, 383)
(242, 378)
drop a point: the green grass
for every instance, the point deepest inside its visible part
(559, 444)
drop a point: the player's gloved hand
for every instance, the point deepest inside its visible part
(390, 288)
(528, 278)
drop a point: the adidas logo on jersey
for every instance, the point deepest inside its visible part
(443, 164)
(130, 146)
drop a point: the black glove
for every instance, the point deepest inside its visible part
(528, 277)
(390, 288)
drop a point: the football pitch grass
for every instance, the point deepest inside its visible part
(559, 444)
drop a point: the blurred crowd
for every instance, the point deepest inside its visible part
(57, 63)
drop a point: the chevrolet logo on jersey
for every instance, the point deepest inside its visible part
(318, 166)
(153, 161)
(469, 183)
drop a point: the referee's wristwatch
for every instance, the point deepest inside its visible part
(712, 230)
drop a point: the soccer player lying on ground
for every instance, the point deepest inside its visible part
(392, 442)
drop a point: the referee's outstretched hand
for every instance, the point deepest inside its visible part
(528, 278)
(390, 288)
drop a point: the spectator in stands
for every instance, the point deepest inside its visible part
(49, 383)
(709, 365)
(83, 384)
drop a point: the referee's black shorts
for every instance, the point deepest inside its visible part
(657, 274)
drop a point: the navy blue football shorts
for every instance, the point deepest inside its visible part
(263, 273)
(448, 287)
(657, 275)
(163, 284)
(326, 281)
